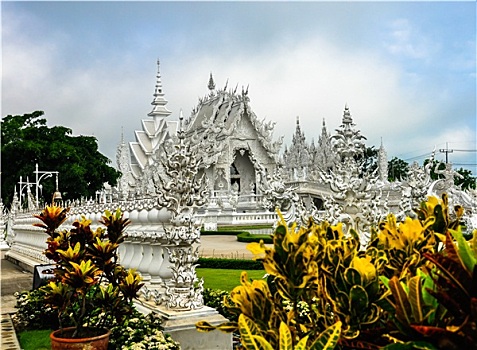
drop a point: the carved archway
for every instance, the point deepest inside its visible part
(243, 177)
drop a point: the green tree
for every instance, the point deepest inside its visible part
(467, 181)
(368, 160)
(439, 165)
(27, 140)
(397, 169)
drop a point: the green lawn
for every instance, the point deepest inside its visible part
(225, 279)
(35, 340)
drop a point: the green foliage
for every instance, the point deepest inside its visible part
(245, 227)
(88, 278)
(438, 303)
(221, 233)
(413, 287)
(26, 140)
(368, 160)
(467, 181)
(215, 298)
(248, 237)
(397, 169)
(234, 264)
(462, 178)
(140, 332)
(32, 312)
(33, 327)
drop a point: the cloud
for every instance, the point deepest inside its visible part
(311, 75)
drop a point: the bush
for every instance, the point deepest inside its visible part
(32, 312)
(412, 286)
(221, 233)
(141, 332)
(246, 227)
(215, 298)
(247, 237)
(135, 331)
(233, 264)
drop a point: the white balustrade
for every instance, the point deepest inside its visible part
(128, 254)
(147, 256)
(155, 265)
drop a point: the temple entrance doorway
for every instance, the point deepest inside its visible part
(242, 173)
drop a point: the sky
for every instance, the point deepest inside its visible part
(406, 70)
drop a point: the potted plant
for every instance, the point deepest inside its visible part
(90, 290)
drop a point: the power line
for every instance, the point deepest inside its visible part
(417, 157)
(446, 151)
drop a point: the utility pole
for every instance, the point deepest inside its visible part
(446, 151)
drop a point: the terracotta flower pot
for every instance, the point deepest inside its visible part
(60, 340)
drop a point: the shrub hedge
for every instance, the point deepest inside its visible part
(221, 233)
(248, 237)
(234, 264)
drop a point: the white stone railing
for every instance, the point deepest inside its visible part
(254, 218)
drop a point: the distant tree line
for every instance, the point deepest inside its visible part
(398, 169)
(27, 140)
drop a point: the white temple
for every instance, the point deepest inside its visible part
(221, 166)
(241, 160)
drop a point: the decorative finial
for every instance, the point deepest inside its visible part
(347, 120)
(122, 135)
(159, 102)
(180, 133)
(211, 84)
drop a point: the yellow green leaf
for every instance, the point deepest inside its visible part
(416, 299)
(301, 344)
(260, 343)
(466, 254)
(286, 342)
(247, 330)
(328, 339)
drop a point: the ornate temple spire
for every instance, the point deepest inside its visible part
(383, 163)
(159, 102)
(298, 158)
(123, 159)
(325, 158)
(347, 120)
(348, 141)
(211, 84)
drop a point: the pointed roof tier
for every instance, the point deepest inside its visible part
(159, 102)
(211, 84)
(325, 158)
(155, 131)
(298, 154)
(226, 115)
(348, 142)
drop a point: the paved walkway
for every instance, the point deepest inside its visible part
(221, 246)
(13, 279)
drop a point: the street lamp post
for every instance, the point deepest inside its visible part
(22, 187)
(46, 174)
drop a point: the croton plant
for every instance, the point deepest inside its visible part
(413, 287)
(89, 282)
